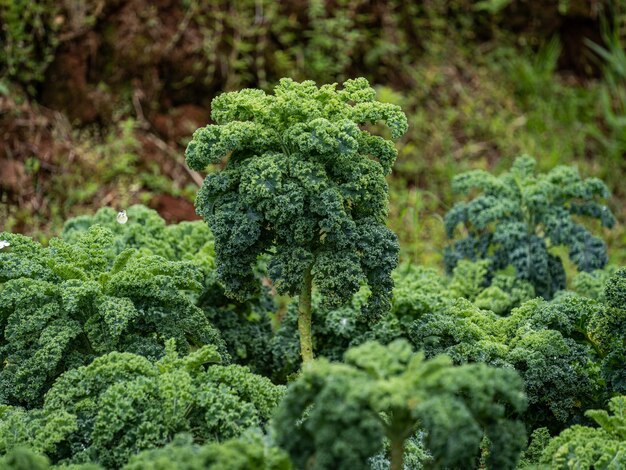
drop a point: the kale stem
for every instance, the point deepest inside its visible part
(304, 318)
(397, 454)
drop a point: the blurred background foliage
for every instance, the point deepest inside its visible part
(98, 98)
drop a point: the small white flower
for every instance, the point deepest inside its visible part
(122, 218)
(4, 244)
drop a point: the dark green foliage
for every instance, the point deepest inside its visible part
(23, 458)
(546, 342)
(64, 305)
(615, 290)
(560, 370)
(539, 439)
(415, 456)
(425, 310)
(335, 415)
(244, 326)
(607, 331)
(123, 403)
(147, 232)
(304, 183)
(519, 217)
(583, 447)
(334, 330)
(569, 351)
(247, 452)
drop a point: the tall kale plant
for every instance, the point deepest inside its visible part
(303, 183)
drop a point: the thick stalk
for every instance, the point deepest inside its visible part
(397, 454)
(304, 318)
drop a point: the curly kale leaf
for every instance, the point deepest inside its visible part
(336, 415)
(244, 326)
(23, 458)
(248, 452)
(147, 232)
(592, 284)
(586, 448)
(520, 216)
(123, 403)
(607, 331)
(305, 184)
(84, 300)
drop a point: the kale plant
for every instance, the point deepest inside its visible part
(583, 447)
(147, 232)
(304, 183)
(122, 403)
(607, 332)
(63, 305)
(336, 415)
(245, 326)
(521, 216)
(247, 452)
(425, 308)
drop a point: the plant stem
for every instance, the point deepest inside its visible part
(304, 318)
(397, 454)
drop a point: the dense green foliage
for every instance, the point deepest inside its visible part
(245, 326)
(569, 351)
(137, 344)
(585, 447)
(304, 183)
(65, 304)
(123, 403)
(248, 452)
(335, 415)
(519, 218)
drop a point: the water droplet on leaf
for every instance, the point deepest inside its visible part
(122, 218)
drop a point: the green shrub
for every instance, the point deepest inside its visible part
(584, 447)
(245, 326)
(304, 184)
(569, 351)
(123, 403)
(424, 305)
(247, 452)
(520, 217)
(63, 305)
(335, 415)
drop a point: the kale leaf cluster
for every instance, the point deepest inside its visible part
(304, 183)
(63, 305)
(519, 217)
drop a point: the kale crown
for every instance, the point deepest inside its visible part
(519, 216)
(304, 183)
(63, 305)
(336, 415)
